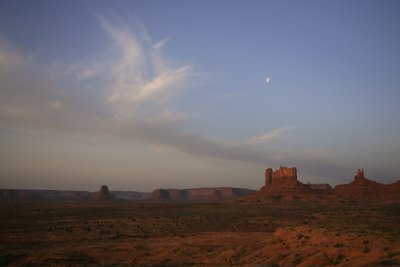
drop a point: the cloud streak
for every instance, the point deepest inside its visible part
(141, 74)
(126, 93)
(273, 135)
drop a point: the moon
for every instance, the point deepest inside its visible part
(267, 80)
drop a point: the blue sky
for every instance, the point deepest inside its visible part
(146, 94)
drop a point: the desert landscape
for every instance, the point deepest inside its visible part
(152, 133)
(286, 223)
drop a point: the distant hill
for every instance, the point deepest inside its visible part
(280, 184)
(35, 195)
(9, 195)
(209, 194)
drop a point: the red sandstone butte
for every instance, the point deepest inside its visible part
(363, 188)
(284, 181)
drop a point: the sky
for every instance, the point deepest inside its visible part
(140, 95)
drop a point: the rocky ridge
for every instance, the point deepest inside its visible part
(362, 188)
(283, 183)
(22, 195)
(210, 194)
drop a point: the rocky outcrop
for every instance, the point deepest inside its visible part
(283, 181)
(392, 191)
(284, 176)
(320, 186)
(13, 195)
(363, 188)
(211, 194)
(103, 194)
(185, 195)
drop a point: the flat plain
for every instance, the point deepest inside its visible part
(213, 234)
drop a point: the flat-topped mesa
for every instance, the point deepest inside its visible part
(283, 181)
(209, 194)
(283, 175)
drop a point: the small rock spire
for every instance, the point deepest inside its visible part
(360, 175)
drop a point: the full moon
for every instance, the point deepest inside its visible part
(267, 80)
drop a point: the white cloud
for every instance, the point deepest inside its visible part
(160, 44)
(161, 82)
(139, 72)
(275, 134)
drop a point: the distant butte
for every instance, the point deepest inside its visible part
(284, 181)
(280, 184)
(363, 188)
(103, 194)
(283, 184)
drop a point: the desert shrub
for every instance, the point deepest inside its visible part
(281, 256)
(297, 260)
(389, 262)
(341, 257)
(299, 236)
(338, 245)
(366, 249)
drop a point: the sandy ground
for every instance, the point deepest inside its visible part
(199, 235)
(296, 246)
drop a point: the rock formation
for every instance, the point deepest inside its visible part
(211, 194)
(284, 176)
(103, 194)
(42, 195)
(320, 186)
(283, 181)
(363, 188)
(15, 195)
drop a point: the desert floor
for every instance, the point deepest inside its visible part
(225, 234)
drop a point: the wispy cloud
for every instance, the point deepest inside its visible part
(128, 91)
(160, 44)
(275, 134)
(87, 73)
(140, 73)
